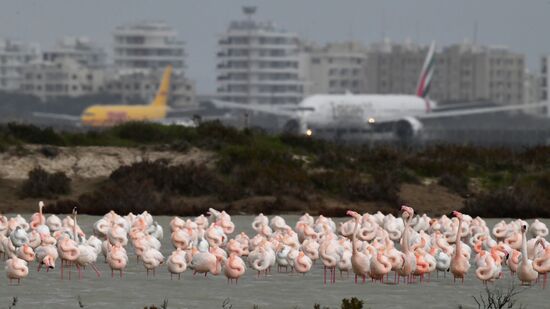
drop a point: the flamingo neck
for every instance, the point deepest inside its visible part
(523, 247)
(405, 244)
(458, 241)
(354, 236)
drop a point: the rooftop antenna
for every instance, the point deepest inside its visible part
(249, 11)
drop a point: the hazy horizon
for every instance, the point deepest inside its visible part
(499, 22)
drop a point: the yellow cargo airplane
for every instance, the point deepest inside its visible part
(109, 115)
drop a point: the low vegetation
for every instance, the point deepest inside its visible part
(347, 303)
(498, 298)
(494, 181)
(46, 185)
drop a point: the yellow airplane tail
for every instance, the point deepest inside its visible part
(161, 98)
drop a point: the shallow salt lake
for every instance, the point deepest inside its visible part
(278, 290)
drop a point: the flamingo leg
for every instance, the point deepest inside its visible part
(94, 267)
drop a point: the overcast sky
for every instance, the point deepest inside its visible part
(520, 24)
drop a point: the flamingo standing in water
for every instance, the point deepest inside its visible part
(152, 258)
(16, 269)
(302, 263)
(117, 258)
(526, 273)
(459, 263)
(206, 262)
(234, 268)
(409, 259)
(329, 256)
(68, 248)
(360, 262)
(542, 263)
(176, 263)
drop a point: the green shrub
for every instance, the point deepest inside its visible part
(34, 135)
(43, 184)
(49, 152)
(456, 183)
(508, 203)
(214, 135)
(190, 179)
(352, 303)
(149, 133)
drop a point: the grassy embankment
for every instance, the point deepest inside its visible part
(299, 174)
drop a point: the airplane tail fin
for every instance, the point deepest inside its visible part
(161, 99)
(425, 79)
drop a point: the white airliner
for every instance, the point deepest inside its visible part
(399, 114)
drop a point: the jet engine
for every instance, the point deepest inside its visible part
(294, 127)
(407, 129)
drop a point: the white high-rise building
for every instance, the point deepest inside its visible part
(81, 49)
(463, 72)
(544, 78)
(64, 77)
(148, 45)
(14, 56)
(141, 53)
(258, 63)
(335, 68)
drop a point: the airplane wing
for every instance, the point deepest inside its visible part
(268, 109)
(57, 116)
(185, 109)
(482, 110)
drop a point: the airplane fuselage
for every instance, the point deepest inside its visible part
(335, 111)
(109, 115)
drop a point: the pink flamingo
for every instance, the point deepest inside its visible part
(16, 269)
(542, 264)
(38, 218)
(526, 273)
(360, 262)
(117, 258)
(329, 256)
(409, 259)
(206, 262)
(459, 263)
(302, 263)
(234, 268)
(176, 263)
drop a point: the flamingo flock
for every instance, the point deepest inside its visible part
(367, 245)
